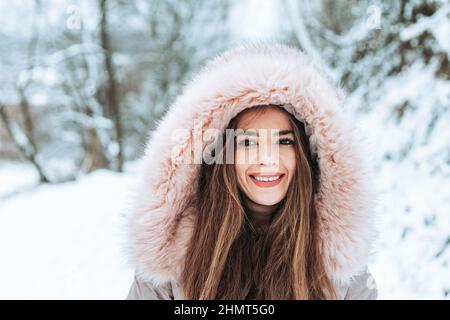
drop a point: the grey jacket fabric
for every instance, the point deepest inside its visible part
(361, 287)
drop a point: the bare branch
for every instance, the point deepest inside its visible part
(22, 143)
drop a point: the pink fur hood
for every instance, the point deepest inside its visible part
(248, 75)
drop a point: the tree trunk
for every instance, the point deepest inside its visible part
(111, 85)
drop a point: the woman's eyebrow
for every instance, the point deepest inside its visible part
(284, 132)
(276, 133)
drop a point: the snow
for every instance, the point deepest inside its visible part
(438, 24)
(411, 228)
(14, 177)
(254, 19)
(64, 241)
(413, 175)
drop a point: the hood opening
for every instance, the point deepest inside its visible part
(249, 75)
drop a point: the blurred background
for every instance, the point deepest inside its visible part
(83, 83)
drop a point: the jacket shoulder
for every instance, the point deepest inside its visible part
(145, 290)
(362, 287)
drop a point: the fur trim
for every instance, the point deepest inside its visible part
(248, 75)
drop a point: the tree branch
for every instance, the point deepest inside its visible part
(22, 142)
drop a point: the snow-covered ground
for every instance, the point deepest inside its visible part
(63, 241)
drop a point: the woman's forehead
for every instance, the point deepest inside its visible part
(269, 117)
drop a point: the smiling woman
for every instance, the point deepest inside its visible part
(269, 191)
(289, 218)
(265, 164)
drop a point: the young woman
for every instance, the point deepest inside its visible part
(277, 204)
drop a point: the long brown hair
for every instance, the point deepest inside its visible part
(230, 257)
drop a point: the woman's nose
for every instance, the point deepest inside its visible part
(268, 154)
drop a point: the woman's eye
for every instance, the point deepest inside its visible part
(247, 143)
(286, 141)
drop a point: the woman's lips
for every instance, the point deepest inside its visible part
(257, 179)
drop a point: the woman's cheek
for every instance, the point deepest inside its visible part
(246, 156)
(288, 160)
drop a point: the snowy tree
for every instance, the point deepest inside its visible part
(99, 74)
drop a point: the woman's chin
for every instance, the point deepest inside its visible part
(268, 201)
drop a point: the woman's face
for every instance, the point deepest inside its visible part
(265, 155)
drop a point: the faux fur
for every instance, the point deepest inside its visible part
(248, 75)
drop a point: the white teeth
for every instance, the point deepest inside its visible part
(267, 179)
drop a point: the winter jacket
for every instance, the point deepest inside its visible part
(248, 75)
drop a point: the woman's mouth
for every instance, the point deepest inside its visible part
(267, 180)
